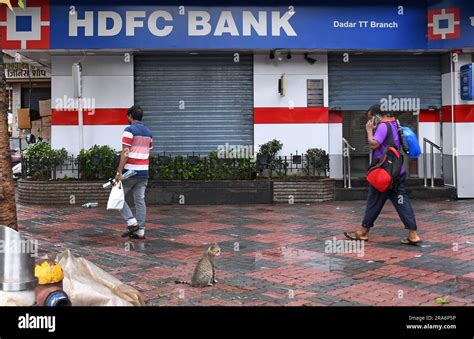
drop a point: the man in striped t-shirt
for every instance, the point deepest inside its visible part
(136, 146)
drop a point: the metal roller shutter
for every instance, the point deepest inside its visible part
(214, 92)
(366, 79)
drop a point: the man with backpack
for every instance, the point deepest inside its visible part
(386, 175)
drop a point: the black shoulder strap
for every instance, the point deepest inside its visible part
(390, 138)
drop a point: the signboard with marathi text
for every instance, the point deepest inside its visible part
(24, 71)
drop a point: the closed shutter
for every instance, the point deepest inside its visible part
(195, 103)
(366, 79)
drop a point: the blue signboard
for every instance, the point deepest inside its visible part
(232, 24)
(467, 82)
(389, 25)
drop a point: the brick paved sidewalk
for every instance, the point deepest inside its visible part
(274, 255)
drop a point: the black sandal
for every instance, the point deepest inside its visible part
(407, 241)
(355, 236)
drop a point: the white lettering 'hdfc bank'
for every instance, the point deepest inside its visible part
(160, 23)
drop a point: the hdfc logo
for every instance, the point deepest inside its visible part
(444, 24)
(25, 28)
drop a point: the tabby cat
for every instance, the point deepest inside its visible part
(205, 273)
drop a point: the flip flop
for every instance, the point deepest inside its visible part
(355, 236)
(407, 241)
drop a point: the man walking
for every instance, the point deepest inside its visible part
(383, 124)
(136, 146)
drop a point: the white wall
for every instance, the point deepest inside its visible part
(68, 137)
(107, 84)
(432, 132)
(297, 69)
(294, 136)
(335, 150)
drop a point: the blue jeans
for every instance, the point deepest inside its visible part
(401, 202)
(138, 187)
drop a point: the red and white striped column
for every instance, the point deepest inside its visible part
(429, 127)
(458, 130)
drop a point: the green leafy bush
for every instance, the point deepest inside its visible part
(41, 160)
(271, 148)
(220, 168)
(317, 162)
(268, 159)
(160, 171)
(202, 168)
(98, 162)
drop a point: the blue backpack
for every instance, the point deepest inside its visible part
(414, 150)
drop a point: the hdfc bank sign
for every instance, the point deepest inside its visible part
(27, 28)
(160, 23)
(140, 24)
(444, 23)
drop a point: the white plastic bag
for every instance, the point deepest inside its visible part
(116, 197)
(88, 285)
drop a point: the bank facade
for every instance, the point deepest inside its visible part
(214, 74)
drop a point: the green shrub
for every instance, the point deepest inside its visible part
(220, 168)
(161, 171)
(246, 169)
(98, 162)
(317, 162)
(202, 168)
(268, 155)
(271, 148)
(42, 160)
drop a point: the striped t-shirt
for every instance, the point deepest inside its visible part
(139, 138)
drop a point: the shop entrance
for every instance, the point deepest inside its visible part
(404, 83)
(353, 130)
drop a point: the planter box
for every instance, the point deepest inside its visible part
(304, 191)
(209, 192)
(61, 192)
(158, 192)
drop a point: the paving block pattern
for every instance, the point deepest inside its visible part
(274, 255)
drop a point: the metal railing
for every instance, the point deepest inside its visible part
(162, 167)
(167, 166)
(303, 165)
(346, 163)
(46, 169)
(432, 162)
